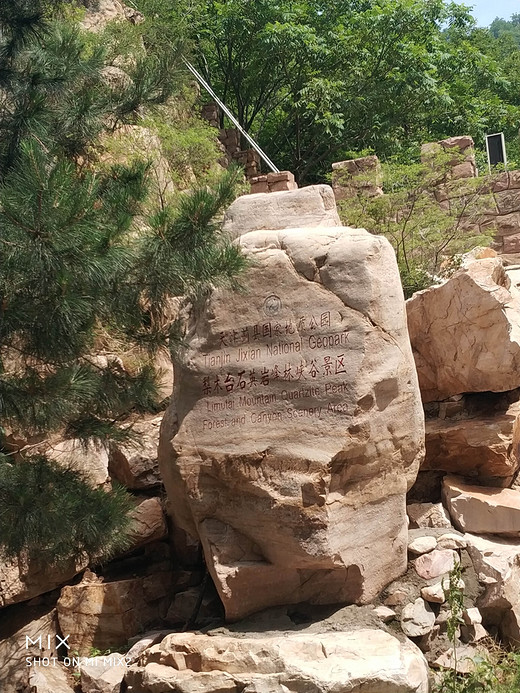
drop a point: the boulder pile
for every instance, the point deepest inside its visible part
(289, 456)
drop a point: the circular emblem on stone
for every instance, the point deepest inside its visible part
(272, 305)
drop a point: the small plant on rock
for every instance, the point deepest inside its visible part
(499, 672)
(453, 591)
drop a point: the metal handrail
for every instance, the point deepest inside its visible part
(231, 117)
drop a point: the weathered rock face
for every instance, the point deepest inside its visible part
(417, 618)
(465, 334)
(299, 424)
(436, 563)
(100, 12)
(497, 562)
(481, 509)
(420, 545)
(104, 615)
(50, 679)
(149, 523)
(136, 466)
(312, 206)
(364, 659)
(91, 461)
(20, 632)
(428, 515)
(103, 674)
(483, 447)
(21, 579)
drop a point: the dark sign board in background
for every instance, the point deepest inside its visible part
(496, 149)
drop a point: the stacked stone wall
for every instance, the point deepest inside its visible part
(231, 147)
(357, 176)
(273, 182)
(500, 192)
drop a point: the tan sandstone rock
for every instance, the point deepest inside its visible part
(103, 674)
(300, 426)
(436, 563)
(482, 509)
(26, 632)
(91, 461)
(149, 522)
(471, 616)
(100, 12)
(312, 206)
(434, 593)
(371, 660)
(465, 334)
(451, 540)
(473, 633)
(482, 447)
(21, 579)
(508, 201)
(464, 660)
(428, 515)
(417, 618)
(135, 465)
(497, 564)
(50, 679)
(384, 613)
(422, 545)
(103, 615)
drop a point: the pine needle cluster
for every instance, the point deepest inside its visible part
(72, 258)
(47, 509)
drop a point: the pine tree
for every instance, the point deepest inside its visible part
(71, 260)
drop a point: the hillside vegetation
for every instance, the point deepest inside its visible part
(318, 81)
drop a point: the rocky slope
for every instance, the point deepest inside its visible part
(303, 510)
(296, 465)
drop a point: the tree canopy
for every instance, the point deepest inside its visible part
(317, 80)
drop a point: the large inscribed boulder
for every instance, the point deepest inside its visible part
(465, 334)
(300, 425)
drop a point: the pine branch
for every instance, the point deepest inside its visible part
(50, 513)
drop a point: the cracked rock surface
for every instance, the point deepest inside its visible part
(465, 333)
(296, 425)
(366, 659)
(314, 205)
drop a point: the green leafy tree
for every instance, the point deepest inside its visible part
(426, 232)
(74, 259)
(312, 79)
(500, 27)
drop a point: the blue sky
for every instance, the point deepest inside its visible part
(485, 11)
